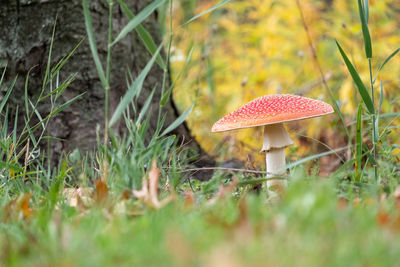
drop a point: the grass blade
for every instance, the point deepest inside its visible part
(47, 75)
(379, 109)
(37, 113)
(364, 26)
(26, 98)
(178, 121)
(366, 11)
(368, 153)
(357, 80)
(358, 154)
(134, 90)
(167, 94)
(5, 98)
(63, 106)
(59, 90)
(388, 58)
(207, 11)
(312, 157)
(323, 144)
(3, 74)
(145, 107)
(384, 63)
(7, 166)
(64, 60)
(92, 44)
(138, 19)
(144, 35)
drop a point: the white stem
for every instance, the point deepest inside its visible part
(276, 138)
(275, 159)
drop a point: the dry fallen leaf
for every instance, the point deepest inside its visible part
(356, 201)
(396, 194)
(101, 192)
(382, 218)
(188, 199)
(18, 208)
(78, 197)
(342, 203)
(149, 192)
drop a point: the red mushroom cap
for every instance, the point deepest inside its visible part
(270, 109)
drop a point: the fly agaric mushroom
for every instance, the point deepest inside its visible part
(271, 111)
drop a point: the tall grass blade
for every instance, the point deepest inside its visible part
(3, 74)
(358, 154)
(178, 121)
(364, 26)
(26, 98)
(301, 161)
(64, 60)
(7, 95)
(47, 73)
(167, 94)
(92, 44)
(366, 10)
(65, 105)
(144, 35)
(384, 63)
(145, 106)
(14, 133)
(59, 90)
(138, 19)
(368, 153)
(31, 136)
(207, 11)
(37, 113)
(323, 144)
(6, 165)
(357, 80)
(134, 90)
(379, 108)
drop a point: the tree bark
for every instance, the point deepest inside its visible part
(25, 35)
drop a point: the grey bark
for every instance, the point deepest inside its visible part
(25, 34)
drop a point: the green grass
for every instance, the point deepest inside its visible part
(347, 219)
(310, 227)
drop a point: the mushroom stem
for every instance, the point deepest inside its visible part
(276, 138)
(275, 159)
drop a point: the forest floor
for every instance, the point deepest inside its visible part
(318, 222)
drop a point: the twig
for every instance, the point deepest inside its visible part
(312, 48)
(318, 65)
(224, 169)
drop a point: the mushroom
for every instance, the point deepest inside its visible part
(271, 111)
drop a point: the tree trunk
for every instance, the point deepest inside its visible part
(25, 34)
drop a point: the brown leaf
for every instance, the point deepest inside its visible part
(382, 218)
(101, 193)
(188, 199)
(396, 194)
(149, 192)
(18, 208)
(342, 203)
(126, 194)
(78, 197)
(357, 201)
(24, 205)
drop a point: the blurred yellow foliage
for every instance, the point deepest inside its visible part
(246, 49)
